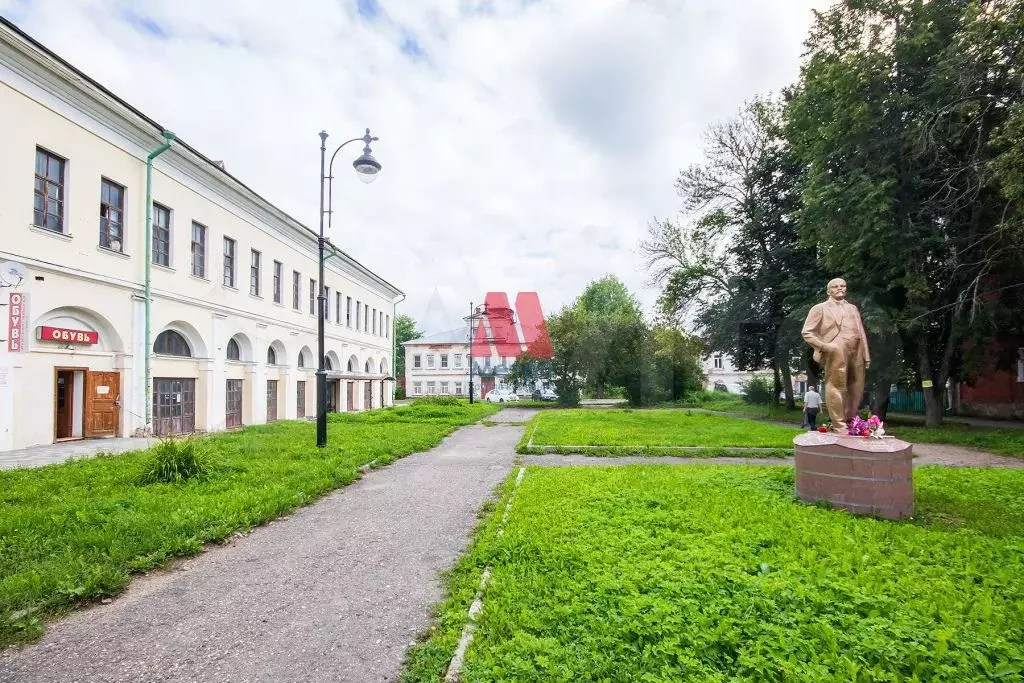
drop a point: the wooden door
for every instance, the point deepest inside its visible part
(350, 393)
(64, 405)
(233, 404)
(368, 395)
(300, 398)
(102, 403)
(174, 406)
(271, 400)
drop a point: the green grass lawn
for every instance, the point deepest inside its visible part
(616, 431)
(716, 573)
(76, 532)
(1003, 441)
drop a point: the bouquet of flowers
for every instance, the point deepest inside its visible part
(872, 426)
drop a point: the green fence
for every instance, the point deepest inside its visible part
(906, 402)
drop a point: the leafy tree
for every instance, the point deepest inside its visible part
(907, 119)
(736, 266)
(405, 330)
(527, 370)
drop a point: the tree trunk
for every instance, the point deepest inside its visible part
(787, 385)
(880, 399)
(776, 385)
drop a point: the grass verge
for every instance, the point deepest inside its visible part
(714, 573)
(76, 532)
(651, 432)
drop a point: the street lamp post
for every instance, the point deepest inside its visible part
(367, 168)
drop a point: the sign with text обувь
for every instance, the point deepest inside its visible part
(63, 334)
(17, 317)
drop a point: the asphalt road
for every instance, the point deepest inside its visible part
(335, 592)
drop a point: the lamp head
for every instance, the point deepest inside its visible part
(367, 168)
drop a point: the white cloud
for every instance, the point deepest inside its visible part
(525, 144)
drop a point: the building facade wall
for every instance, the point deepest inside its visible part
(78, 283)
(450, 381)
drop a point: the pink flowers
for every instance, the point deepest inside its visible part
(870, 427)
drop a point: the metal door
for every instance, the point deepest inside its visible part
(233, 404)
(174, 406)
(271, 400)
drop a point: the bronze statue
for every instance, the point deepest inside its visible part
(834, 330)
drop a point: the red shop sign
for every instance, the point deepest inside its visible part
(16, 322)
(61, 334)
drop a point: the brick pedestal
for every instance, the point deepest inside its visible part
(863, 475)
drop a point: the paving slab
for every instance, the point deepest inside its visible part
(51, 454)
(335, 592)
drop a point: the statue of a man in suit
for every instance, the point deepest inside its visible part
(835, 331)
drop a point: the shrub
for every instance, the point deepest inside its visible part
(758, 390)
(438, 401)
(399, 393)
(175, 461)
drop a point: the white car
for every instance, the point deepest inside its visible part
(500, 396)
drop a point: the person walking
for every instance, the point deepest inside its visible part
(812, 406)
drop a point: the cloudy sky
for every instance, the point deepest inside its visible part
(526, 144)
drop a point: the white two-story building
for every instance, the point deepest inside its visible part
(231, 321)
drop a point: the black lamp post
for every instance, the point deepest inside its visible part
(367, 169)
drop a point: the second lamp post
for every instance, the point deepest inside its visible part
(367, 169)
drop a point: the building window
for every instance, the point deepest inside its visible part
(312, 296)
(271, 356)
(296, 289)
(49, 192)
(337, 308)
(387, 326)
(417, 361)
(458, 360)
(229, 262)
(111, 215)
(430, 360)
(278, 274)
(718, 362)
(1020, 364)
(366, 317)
(458, 388)
(254, 273)
(417, 388)
(359, 313)
(327, 303)
(374, 319)
(444, 387)
(161, 235)
(348, 311)
(234, 353)
(444, 360)
(302, 360)
(198, 249)
(170, 343)
(431, 387)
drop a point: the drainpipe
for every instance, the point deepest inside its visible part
(394, 345)
(148, 255)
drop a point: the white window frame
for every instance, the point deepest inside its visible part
(719, 362)
(444, 361)
(444, 387)
(417, 361)
(430, 360)
(417, 388)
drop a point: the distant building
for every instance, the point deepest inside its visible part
(722, 375)
(439, 363)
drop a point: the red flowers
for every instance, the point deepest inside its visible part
(823, 429)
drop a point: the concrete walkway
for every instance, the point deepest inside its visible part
(959, 419)
(335, 592)
(50, 454)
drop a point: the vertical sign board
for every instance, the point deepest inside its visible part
(17, 322)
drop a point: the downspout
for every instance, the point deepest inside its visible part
(394, 345)
(148, 255)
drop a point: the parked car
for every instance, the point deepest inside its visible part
(501, 395)
(544, 395)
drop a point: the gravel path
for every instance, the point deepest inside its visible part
(335, 592)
